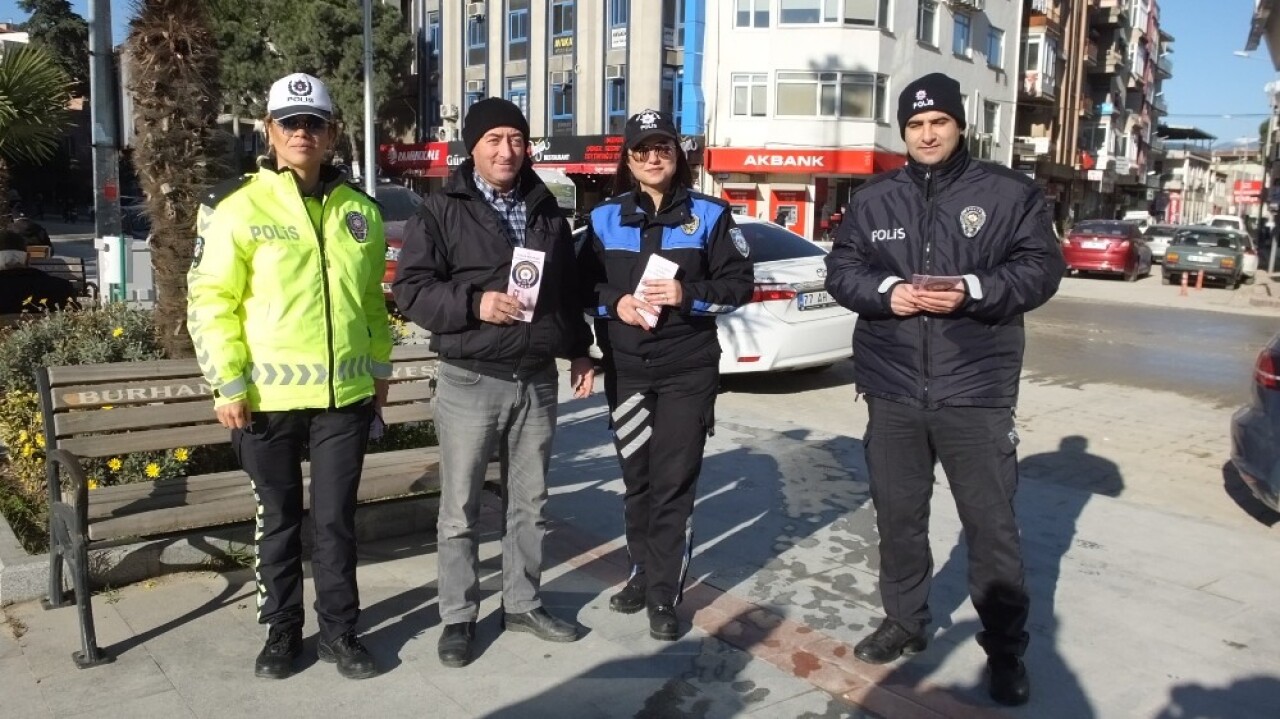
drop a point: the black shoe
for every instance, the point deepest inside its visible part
(541, 624)
(631, 599)
(1008, 683)
(455, 644)
(354, 661)
(283, 646)
(663, 624)
(889, 642)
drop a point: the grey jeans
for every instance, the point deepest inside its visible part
(475, 413)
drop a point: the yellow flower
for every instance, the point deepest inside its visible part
(93, 484)
(27, 450)
(29, 300)
(106, 406)
(23, 436)
(153, 470)
(114, 464)
(44, 300)
(40, 440)
(117, 332)
(181, 454)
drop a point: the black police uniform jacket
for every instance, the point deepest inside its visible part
(694, 231)
(962, 217)
(456, 248)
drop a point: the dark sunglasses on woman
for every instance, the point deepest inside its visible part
(641, 152)
(310, 123)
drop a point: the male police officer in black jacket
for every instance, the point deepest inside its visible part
(938, 360)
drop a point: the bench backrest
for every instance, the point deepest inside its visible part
(70, 269)
(112, 409)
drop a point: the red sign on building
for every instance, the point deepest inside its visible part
(1247, 192)
(812, 161)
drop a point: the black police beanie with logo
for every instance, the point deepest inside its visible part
(489, 113)
(934, 91)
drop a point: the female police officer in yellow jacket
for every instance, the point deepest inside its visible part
(290, 327)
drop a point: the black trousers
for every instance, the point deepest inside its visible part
(977, 449)
(660, 420)
(271, 451)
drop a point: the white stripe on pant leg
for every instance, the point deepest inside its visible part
(636, 443)
(636, 422)
(260, 520)
(627, 406)
(686, 558)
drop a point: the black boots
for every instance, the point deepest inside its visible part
(353, 660)
(663, 624)
(455, 644)
(283, 646)
(631, 599)
(889, 642)
(1007, 682)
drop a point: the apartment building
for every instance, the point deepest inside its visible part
(1091, 103)
(787, 105)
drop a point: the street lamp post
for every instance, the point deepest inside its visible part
(1271, 89)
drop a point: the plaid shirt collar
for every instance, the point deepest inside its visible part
(509, 206)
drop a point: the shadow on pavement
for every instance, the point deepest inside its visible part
(1252, 698)
(1240, 493)
(1048, 532)
(838, 374)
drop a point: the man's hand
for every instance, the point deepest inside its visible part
(380, 389)
(582, 376)
(940, 302)
(627, 311)
(499, 308)
(669, 293)
(903, 300)
(236, 415)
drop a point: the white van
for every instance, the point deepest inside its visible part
(1249, 268)
(1141, 218)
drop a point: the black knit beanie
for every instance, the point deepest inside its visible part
(934, 91)
(489, 113)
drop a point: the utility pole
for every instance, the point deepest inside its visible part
(106, 165)
(370, 132)
(1265, 199)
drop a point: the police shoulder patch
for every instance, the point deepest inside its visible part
(691, 226)
(740, 242)
(198, 252)
(358, 225)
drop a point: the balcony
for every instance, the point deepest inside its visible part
(1114, 62)
(1031, 148)
(1159, 105)
(1108, 13)
(1038, 86)
(1164, 67)
(1051, 10)
(1105, 109)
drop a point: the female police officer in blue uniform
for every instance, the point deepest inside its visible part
(661, 353)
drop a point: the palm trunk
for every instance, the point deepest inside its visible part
(6, 212)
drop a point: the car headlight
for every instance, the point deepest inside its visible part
(393, 254)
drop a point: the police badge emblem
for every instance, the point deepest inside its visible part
(972, 218)
(740, 242)
(691, 226)
(358, 225)
(525, 274)
(198, 252)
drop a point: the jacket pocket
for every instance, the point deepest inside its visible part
(457, 376)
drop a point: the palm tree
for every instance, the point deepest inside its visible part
(33, 112)
(179, 151)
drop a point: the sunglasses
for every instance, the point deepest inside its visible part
(310, 123)
(665, 152)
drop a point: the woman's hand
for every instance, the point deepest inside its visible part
(629, 308)
(664, 293)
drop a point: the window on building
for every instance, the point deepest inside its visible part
(476, 52)
(471, 99)
(855, 95)
(518, 93)
(562, 18)
(673, 23)
(927, 22)
(1031, 53)
(995, 47)
(518, 30)
(618, 12)
(433, 32)
(561, 109)
(752, 13)
(749, 93)
(991, 118)
(616, 91)
(672, 100)
(960, 35)
(871, 13)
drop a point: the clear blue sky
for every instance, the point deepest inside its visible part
(1209, 82)
(1208, 85)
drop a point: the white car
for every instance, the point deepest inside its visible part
(791, 322)
(1249, 267)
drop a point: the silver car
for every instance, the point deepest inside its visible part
(1157, 238)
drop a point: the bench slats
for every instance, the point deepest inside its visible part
(110, 445)
(414, 476)
(179, 389)
(116, 371)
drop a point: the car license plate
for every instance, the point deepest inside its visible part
(1199, 258)
(1095, 245)
(814, 300)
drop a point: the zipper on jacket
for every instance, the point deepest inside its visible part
(328, 300)
(927, 263)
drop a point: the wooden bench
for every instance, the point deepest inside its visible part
(71, 269)
(107, 410)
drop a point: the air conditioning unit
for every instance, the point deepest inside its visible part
(614, 72)
(449, 112)
(475, 85)
(562, 78)
(475, 10)
(969, 5)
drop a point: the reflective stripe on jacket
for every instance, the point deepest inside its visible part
(281, 315)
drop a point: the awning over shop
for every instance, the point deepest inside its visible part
(573, 154)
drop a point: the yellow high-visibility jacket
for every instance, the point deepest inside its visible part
(281, 315)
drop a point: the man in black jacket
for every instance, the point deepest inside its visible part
(496, 386)
(27, 289)
(940, 259)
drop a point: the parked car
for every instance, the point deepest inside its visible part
(398, 205)
(1230, 222)
(1217, 252)
(791, 322)
(1255, 430)
(1141, 218)
(1110, 246)
(1157, 238)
